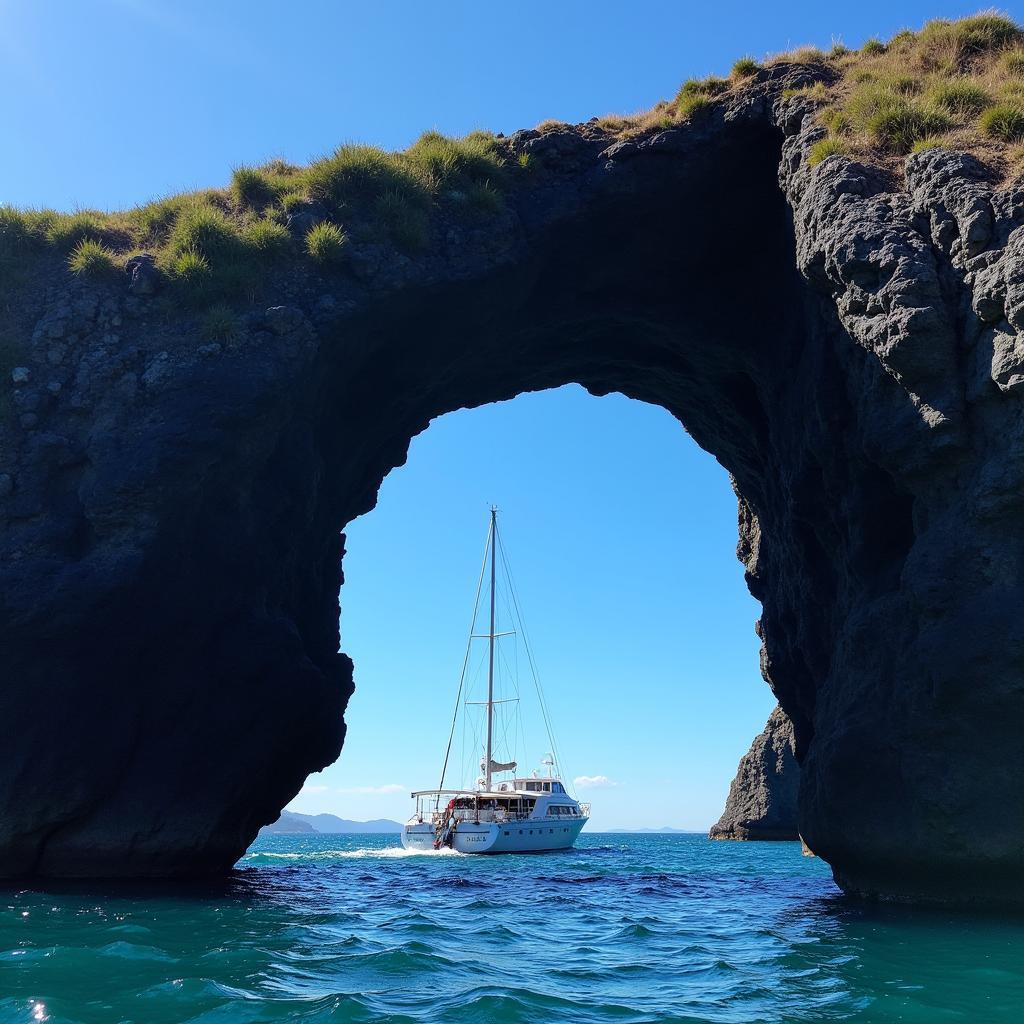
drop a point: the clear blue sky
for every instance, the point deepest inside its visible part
(622, 536)
(621, 530)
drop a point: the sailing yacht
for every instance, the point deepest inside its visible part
(505, 813)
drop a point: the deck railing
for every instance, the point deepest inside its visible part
(499, 817)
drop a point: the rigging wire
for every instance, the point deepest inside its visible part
(465, 662)
(529, 652)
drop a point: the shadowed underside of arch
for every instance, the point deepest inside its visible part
(173, 509)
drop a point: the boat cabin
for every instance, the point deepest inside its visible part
(508, 801)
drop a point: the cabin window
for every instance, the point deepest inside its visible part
(547, 787)
(556, 787)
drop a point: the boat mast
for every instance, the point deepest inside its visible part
(490, 666)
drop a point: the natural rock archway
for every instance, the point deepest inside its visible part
(172, 506)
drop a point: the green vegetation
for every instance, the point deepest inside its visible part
(214, 245)
(457, 163)
(252, 187)
(326, 243)
(66, 230)
(189, 267)
(745, 67)
(403, 218)
(1003, 122)
(483, 199)
(960, 97)
(823, 149)
(15, 232)
(93, 259)
(220, 323)
(266, 236)
(203, 228)
(358, 173)
(695, 95)
(1013, 62)
(957, 83)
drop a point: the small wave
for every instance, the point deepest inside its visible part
(134, 951)
(375, 853)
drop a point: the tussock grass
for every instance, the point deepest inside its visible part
(1004, 122)
(17, 233)
(203, 228)
(357, 173)
(695, 95)
(326, 243)
(90, 258)
(66, 230)
(1012, 62)
(483, 199)
(960, 97)
(403, 219)
(221, 323)
(252, 187)
(745, 67)
(457, 163)
(823, 149)
(189, 267)
(957, 83)
(954, 83)
(216, 243)
(266, 236)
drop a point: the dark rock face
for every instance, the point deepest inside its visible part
(762, 801)
(849, 351)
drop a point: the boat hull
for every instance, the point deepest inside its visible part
(498, 837)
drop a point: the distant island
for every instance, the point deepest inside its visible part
(664, 829)
(290, 822)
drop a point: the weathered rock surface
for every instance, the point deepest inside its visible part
(848, 348)
(762, 801)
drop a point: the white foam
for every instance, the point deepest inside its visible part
(383, 853)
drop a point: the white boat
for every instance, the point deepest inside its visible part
(512, 815)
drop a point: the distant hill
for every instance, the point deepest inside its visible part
(332, 823)
(287, 823)
(290, 823)
(663, 830)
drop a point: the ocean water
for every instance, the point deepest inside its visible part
(623, 929)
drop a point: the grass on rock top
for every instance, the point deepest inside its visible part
(216, 244)
(958, 84)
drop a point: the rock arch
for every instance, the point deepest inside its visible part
(173, 507)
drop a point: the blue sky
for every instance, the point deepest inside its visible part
(622, 532)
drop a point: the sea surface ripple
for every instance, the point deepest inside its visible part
(624, 929)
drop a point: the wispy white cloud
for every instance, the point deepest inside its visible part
(594, 782)
(391, 787)
(313, 789)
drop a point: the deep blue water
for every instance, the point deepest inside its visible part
(623, 929)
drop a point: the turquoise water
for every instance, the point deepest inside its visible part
(623, 929)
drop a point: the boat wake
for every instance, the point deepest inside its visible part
(367, 853)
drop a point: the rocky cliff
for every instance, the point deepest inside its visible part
(762, 801)
(844, 337)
